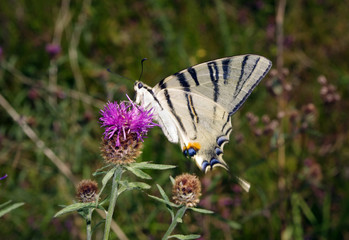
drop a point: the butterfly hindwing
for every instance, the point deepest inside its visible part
(202, 122)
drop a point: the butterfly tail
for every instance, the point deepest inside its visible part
(244, 184)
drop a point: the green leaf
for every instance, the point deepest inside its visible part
(234, 225)
(138, 172)
(162, 192)
(9, 208)
(201, 210)
(125, 185)
(100, 170)
(146, 165)
(75, 207)
(184, 237)
(172, 180)
(140, 185)
(108, 176)
(5, 203)
(306, 210)
(122, 189)
(164, 201)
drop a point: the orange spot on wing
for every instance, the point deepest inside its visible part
(195, 145)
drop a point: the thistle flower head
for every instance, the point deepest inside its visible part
(125, 127)
(186, 190)
(124, 119)
(87, 191)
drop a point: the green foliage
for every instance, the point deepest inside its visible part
(8, 207)
(59, 97)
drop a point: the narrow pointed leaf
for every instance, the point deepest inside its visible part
(139, 173)
(164, 201)
(184, 237)
(74, 207)
(145, 165)
(201, 210)
(162, 192)
(5, 203)
(10, 208)
(100, 170)
(234, 225)
(172, 180)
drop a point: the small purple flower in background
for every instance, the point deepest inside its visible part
(3, 177)
(53, 49)
(1, 52)
(125, 124)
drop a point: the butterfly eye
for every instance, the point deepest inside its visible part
(140, 85)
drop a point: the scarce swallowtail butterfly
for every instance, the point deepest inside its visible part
(194, 106)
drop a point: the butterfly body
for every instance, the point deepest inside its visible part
(194, 106)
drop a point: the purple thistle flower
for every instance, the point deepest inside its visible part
(124, 119)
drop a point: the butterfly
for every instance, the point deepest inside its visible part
(194, 106)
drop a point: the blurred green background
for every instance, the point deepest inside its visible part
(289, 140)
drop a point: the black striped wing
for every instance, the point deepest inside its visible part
(202, 98)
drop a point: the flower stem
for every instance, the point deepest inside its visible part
(178, 216)
(113, 197)
(88, 224)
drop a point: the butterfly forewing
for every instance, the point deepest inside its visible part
(226, 81)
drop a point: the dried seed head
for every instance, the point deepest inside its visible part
(124, 153)
(87, 191)
(186, 190)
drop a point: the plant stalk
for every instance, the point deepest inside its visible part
(88, 224)
(179, 215)
(113, 197)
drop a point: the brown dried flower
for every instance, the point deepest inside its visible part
(87, 191)
(186, 190)
(125, 153)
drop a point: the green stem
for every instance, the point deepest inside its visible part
(113, 197)
(179, 215)
(88, 224)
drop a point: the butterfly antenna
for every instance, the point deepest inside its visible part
(142, 68)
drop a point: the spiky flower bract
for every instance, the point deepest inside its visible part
(125, 124)
(186, 190)
(87, 191)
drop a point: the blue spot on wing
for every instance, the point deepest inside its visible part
(218, 151)
(221, 140)
(185, 152)
(204, 165)
(191, 152)
(214, 161)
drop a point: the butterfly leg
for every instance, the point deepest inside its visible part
(191, 149)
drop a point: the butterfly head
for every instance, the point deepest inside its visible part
(140, 91)
(144, 95)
